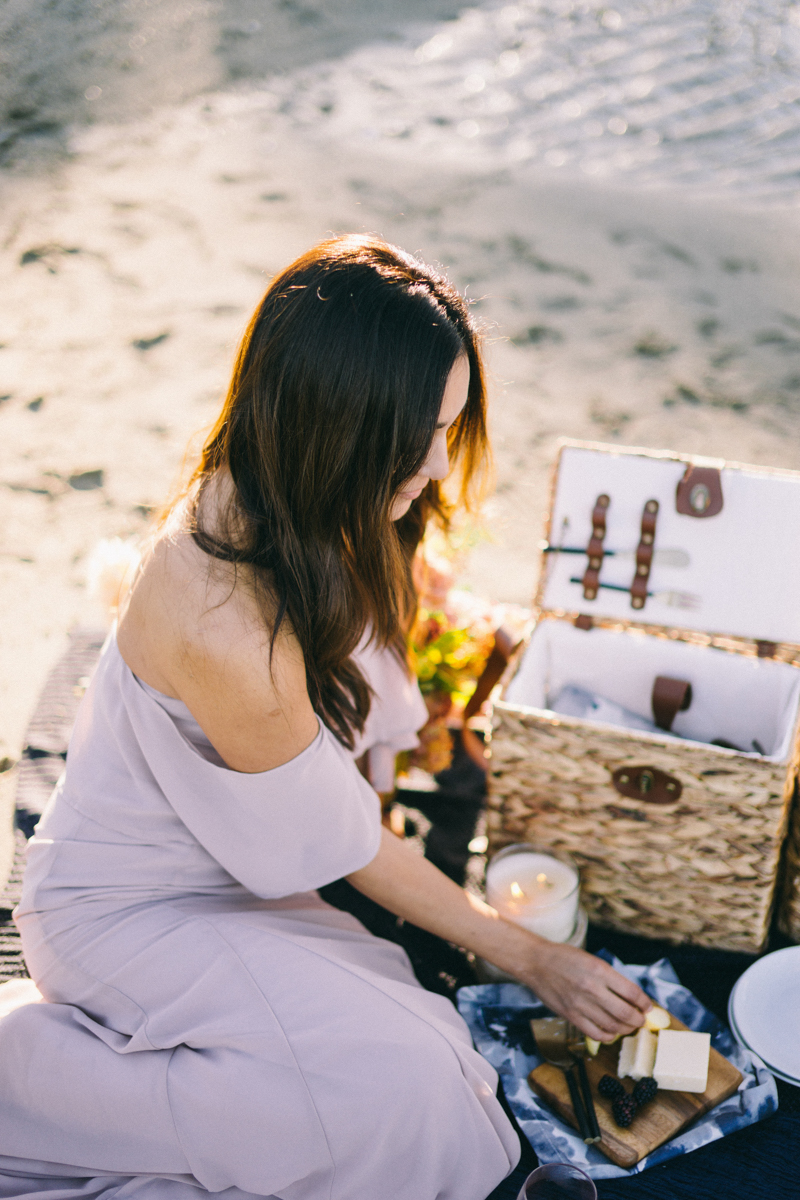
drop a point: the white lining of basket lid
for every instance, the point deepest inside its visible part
(733, 697)
(745, 562)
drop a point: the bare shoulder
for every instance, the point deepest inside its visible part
(194, 628)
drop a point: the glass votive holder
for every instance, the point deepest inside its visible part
(537, 889)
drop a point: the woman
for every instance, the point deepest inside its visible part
(211, 1024)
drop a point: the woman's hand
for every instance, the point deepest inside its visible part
(586, 990)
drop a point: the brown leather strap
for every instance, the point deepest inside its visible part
(594, 551)
(699, 492)
(504, 647)
(644, 555)
(670, 696)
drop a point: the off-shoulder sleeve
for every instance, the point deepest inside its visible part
(291, 829)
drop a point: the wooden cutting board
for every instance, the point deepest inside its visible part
(653, 1125)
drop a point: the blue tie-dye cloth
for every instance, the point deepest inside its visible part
(498, 1015)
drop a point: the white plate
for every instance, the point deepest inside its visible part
(764, 1011)
(738, 1037)
(737, 1033)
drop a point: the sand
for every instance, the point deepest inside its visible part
(134, 248)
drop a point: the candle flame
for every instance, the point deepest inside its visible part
(516, 891)
(543, 881)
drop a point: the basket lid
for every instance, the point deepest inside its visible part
(735, 571)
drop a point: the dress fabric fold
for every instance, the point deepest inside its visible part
(208, 1023)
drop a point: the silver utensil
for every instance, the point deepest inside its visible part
(666, 557)
(685, 600)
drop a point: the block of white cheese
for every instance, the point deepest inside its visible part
(682, 1060)
(637, 1055)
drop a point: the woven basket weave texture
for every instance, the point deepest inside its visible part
(701, 870)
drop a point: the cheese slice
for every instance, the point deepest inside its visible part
(637, 1055)
(657, 1018)
(682, 1060)
(627, 1053)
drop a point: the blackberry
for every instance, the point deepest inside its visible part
(611, 1088)
(644, 1091)
(624, 1110)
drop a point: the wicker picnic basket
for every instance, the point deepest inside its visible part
(789, 912)
(677, 837)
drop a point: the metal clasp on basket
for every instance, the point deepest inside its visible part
(647, 783)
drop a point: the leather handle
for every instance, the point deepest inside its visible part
(670, 696)
(594, 551)
(699, 493)
(644, 555)
(504, 647)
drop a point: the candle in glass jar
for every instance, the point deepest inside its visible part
(534, 890)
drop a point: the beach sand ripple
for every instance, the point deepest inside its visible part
(134, 246)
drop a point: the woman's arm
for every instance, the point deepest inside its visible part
(581, 987)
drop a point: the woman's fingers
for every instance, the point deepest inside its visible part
(623, 1000)
(619, 1010)
(599, 1000)
(596, 1015)
(630, 992)
(593, 1031)
(593, 1008)
(623, 987)
(587, 1020)
(616, 1015)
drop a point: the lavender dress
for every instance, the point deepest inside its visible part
(210, 1024)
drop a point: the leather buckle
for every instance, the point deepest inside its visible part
(644, 555)
(594, 550)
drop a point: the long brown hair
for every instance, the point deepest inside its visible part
(332, 407)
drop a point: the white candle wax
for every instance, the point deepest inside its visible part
(536, 891)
